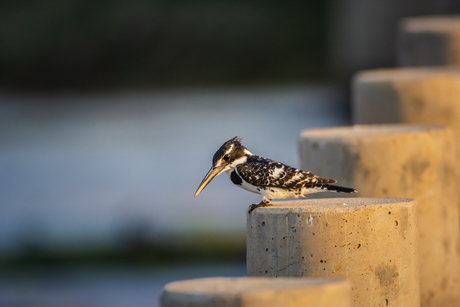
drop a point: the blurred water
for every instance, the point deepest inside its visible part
(80, 169)
(101, 288)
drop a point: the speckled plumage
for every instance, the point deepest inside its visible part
(269, 178)
(260, 171)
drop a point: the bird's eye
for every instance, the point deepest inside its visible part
(226, 157)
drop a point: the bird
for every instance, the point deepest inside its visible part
(269, 178)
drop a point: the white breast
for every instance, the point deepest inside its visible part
(245, 185)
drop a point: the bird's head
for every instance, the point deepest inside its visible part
(229, 155)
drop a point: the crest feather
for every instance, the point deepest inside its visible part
(236, 139)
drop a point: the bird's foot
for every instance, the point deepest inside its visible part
(261, 204)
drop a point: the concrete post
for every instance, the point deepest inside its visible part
(412, 95)
(257, 292)
(429, 40)
(371, 241)
(407, 95)
(400, 161)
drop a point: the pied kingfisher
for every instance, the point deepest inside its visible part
(269, 178)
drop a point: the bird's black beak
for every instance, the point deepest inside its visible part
(213, 172)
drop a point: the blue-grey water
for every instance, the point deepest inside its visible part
(80, 169)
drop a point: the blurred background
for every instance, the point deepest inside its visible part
(111, 111)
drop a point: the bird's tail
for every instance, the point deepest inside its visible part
(337, 188)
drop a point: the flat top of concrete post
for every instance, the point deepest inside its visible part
(368, 131)
(221, 285)
(342, 205)
(400, 74)
(434, 23)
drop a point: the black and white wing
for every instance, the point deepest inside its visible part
(262, 172)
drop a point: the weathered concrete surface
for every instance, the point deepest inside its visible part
(255, 292)
(429, 40)
(400, 161)
(407, 95)
(371, 241)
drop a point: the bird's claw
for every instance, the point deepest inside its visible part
(255, 206)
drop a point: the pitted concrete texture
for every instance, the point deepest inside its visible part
(409, 96)
(255, 292)
(400, 161)
(429, 40)
(371, 241)
(426, 95)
